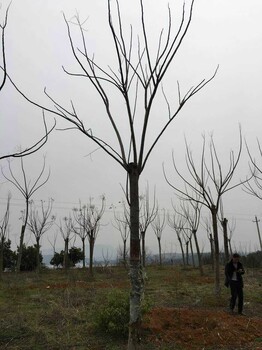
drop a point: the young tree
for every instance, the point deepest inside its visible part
(27, 189)
(88, 219)
(4, 224)
(177, 223)
(123, 226)
(66, 229)
(147, 216)
(137, 79)
(39, 222)
(158, 226)
(207, 186)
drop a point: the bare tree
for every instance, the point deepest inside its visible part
(39, 222)
(208, 227)
(147, 215)
(137, 79)
(232, 227)
(27, 189)
(66, 229)
(123, 226)
(191, 212)
(88, 217)
(177, 223)
(208, 185)
(4, 224)
(158, 225)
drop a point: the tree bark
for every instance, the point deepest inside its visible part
(84, 252)
(143, 249)
(226, 251)
(216, 250)
(136, 276)
(198, 253)
(160, 251)
(91, 253)
(37, 255)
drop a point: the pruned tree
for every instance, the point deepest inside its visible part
(158, 225)
(191, 212)
(177, 223)
(207, 185)
(88, 218)
(27, 188)
(122, 224)
(4, 225)
(137, 81)
(39, 222)
(148, 212)
(66, 229)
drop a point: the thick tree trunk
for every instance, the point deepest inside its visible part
(212, 251)
(199, 256)
(187, 253)
(1, 256)
(136, 276)
(216, 252)
(22, 235)
(226, 251)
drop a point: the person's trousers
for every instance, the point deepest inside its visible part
(236, 293)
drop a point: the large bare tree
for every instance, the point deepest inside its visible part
(207, 185)
(27, 189)
(136, 79)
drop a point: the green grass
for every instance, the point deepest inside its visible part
(55, 310)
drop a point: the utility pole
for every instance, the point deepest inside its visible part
(259, 236)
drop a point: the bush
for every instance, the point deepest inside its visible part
(112, 316)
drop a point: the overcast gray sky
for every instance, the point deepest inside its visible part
(223, 32)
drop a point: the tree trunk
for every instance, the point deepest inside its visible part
(91, 252)
(226, 252)
(66, 262)
(192, 253)
(124, 253)
(230, 247)
(187, 254)
(216, 250)
(22, 235)
(84, 252)
(37, 255)
(136, 276)
(212, 251)
(143, 248)
(2, 256)
(198, 253)
(182, 250)
(160, 251)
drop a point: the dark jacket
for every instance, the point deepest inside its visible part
(230, 268)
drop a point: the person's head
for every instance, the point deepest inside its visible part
(235, 257)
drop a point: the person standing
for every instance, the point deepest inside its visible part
(233, 272)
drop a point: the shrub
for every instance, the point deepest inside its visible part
(112, 316)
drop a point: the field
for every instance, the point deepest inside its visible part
(55, 310)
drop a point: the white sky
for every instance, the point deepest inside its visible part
(223, 32)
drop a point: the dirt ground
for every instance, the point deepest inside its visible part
(203, 329)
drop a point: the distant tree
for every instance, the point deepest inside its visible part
(58, 259)
(177, 223)
(75, 255)
(158, 225)
(66, 229)
(29, 258)
(122, 224)
(9, 256)
(148, 212)
(40, 221)
(207, 185)
(88, 218)
(27, 189)
(4, 224)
